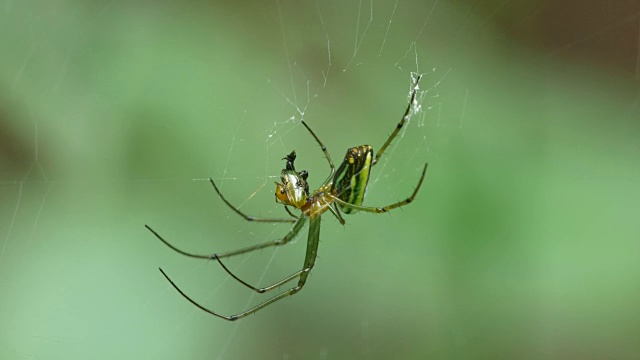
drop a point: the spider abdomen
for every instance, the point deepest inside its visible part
(351, 178)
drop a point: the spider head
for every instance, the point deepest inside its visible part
(294, 189)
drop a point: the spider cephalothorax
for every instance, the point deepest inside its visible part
(342, 191)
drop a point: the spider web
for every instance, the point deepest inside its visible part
(116, 114)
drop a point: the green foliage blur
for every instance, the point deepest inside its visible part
(523, 243)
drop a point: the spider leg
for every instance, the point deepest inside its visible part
(290, 213)
(197, 256)
(236, 316)
(334, 210)
(388, 207)
(400, 124)
(282, 241)
(324, 150)
(309, 261)
(266, 288)
(290, 236)
(245, 216)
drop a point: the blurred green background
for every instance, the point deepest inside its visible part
(524, 242)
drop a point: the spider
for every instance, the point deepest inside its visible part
(343, 191)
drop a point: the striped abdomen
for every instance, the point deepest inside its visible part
(351, 178)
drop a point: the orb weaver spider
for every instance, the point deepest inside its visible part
(343, 191)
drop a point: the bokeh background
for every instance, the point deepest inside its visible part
(524, 242)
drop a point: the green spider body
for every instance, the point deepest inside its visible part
(349, 184)
(342, 192)
(351, 178)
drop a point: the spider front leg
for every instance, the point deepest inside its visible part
(284, 240)
(249, 217)
(310, 258)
